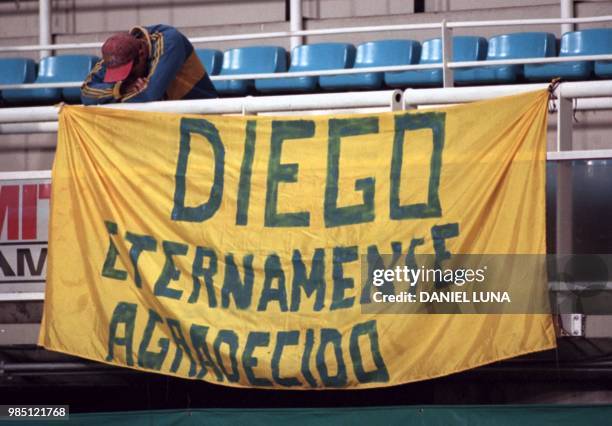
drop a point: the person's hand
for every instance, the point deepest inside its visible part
(140, 84)
(137, 86)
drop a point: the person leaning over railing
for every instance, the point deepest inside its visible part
(147, 64)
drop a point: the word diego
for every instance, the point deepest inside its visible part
(415, 275)
(281, 173)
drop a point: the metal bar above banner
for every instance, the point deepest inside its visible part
(385, 98)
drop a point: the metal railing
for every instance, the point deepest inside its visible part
(580, 95)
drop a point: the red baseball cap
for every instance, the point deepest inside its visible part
(119, 53)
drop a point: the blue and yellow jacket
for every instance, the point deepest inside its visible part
(175, 72)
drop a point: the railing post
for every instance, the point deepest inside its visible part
(44, 26)
(295, 21)
(397, 101)
(567, 12)
(564, 214)
(447, 55)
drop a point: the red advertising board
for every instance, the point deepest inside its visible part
(24, 218)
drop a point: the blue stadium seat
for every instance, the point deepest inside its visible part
(508, 46)
(56, 69)
(249, 60)
(465, 48)
(374, 54)
(603, 69)
(17, 71)
(586, 42)
(211, 59)
(310, 57)
(75, 68)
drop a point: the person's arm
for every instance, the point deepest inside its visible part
(167, 60)
(94, 91)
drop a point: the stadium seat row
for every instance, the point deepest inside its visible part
(326, 56)
(53, 69)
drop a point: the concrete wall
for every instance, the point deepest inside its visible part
(94, 20)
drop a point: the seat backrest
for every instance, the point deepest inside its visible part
(431, 53)
(65, 68)
(254, 59)
(469, 48)
(595, 41)
(17, 70)
(522, 45)
(465, 48)
(387, 52)
(322, 56)
(211, 59)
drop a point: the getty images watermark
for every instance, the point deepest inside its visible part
(494, 284)
(413, 276)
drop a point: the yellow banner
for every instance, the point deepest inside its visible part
(230, 249)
